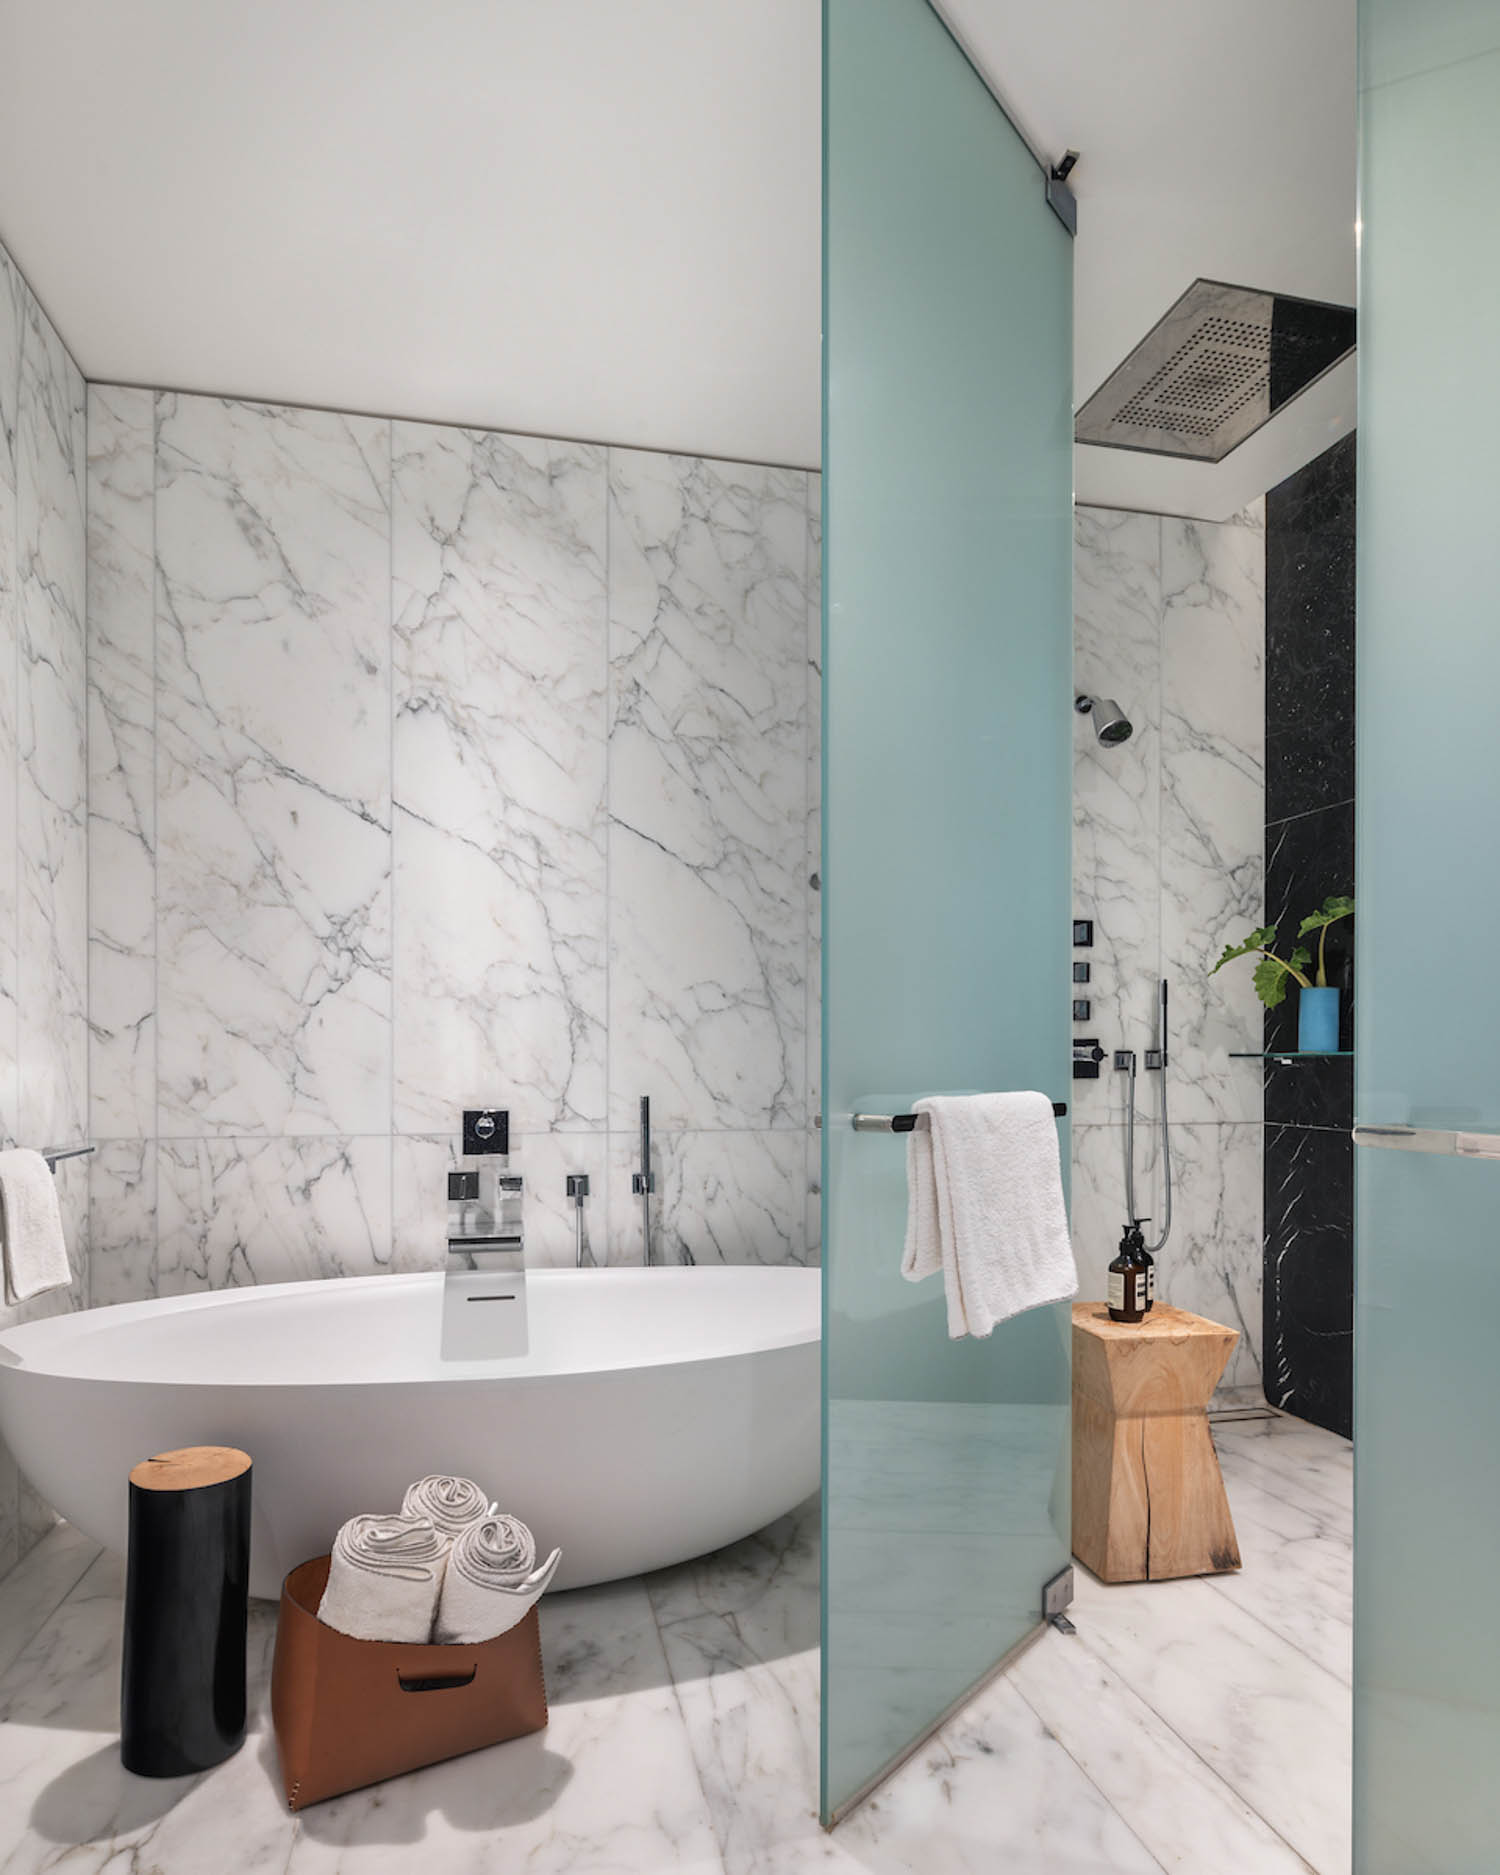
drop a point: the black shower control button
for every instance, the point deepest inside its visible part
(486, 1129)
(1083, 932)
(1081, 1009)
(1080, 973)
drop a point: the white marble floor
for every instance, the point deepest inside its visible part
(1198, 1726)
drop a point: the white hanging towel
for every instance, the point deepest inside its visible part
(985, 1206)
(31, 1230)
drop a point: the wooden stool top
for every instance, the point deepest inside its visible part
(190, 1468)
(1092, 1318)
(1169, 1363)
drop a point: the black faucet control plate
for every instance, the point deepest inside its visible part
(486, 1130)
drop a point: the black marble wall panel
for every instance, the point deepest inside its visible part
(1309, 1157)
(1309, 1291)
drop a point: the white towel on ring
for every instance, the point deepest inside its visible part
(450, 1505)
(32, 1248)
(491, 1582)
(383, 1579)
(985, 1206)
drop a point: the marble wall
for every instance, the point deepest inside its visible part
(43, 915)
(1309, 1105)
(436, 768)
(1168, 861)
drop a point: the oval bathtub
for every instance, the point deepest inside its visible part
(657, 1415)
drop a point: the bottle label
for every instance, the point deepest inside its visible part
(1117, 1289)
(1150, 1285)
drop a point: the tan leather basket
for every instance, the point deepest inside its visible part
(349, 1713)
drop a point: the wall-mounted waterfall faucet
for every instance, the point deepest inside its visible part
(643, 1183)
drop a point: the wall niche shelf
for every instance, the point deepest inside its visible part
(1292, 1054)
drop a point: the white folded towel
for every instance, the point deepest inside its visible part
(31, 1230)
(985, 1206)
(383, 1579)
(492, 1581)
(450, 1505)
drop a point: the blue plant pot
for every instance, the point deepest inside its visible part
(1318, 1022)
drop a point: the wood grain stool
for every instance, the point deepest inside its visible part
(1148, 1499)
(182, 1679)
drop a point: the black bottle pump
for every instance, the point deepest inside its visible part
(1129, 1276)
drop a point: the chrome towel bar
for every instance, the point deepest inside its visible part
(55, 1154)
(915, 1122)
(1457, 1145)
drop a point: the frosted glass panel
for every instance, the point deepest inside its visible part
(1427, 1281)
(947, 489)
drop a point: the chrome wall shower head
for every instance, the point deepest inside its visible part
(1111, 724)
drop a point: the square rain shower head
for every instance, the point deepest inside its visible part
(1213, 369)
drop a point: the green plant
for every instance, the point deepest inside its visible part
(1328, 913)
(1272, 972)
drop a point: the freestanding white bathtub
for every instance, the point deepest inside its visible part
(658, 1413)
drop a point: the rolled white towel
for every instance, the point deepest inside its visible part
(450, 1505)
(491, 1582)
(383, 1579)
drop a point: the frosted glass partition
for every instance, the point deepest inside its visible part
(947, 493)
(1427, 1279)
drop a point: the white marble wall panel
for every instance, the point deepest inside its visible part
(814, 1214)
(708, 728)
(122, 762)
(122, 1222)
(1117, 791)
(51, 835)
(500, 769)
(721, 1197)
(43, 782)
(273, 809)
(1167, 860)
(356, 749)
(1213, 806)
(233, 1212)
(12, 321)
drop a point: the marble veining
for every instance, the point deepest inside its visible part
(499, 603)
(1309, 1169)
(51, 841)
(707, 753)
(1195, 1725)
(273, 753)
(436, 767)
(43, 794)
(232, 1212)
(122, 762)
(1213, 806)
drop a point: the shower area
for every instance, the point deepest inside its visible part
(1228, 808)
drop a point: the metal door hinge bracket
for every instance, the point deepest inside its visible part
(1057, 1598)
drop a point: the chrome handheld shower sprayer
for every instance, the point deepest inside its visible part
(1156, 1061)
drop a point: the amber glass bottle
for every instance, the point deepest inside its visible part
(1129, 1275)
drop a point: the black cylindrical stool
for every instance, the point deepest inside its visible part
(182, 1684)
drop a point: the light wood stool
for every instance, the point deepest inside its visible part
(1148, 1499)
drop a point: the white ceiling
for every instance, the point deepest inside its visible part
(594, 218)
(598, 218)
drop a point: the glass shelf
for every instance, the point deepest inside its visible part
(1292, 1054)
